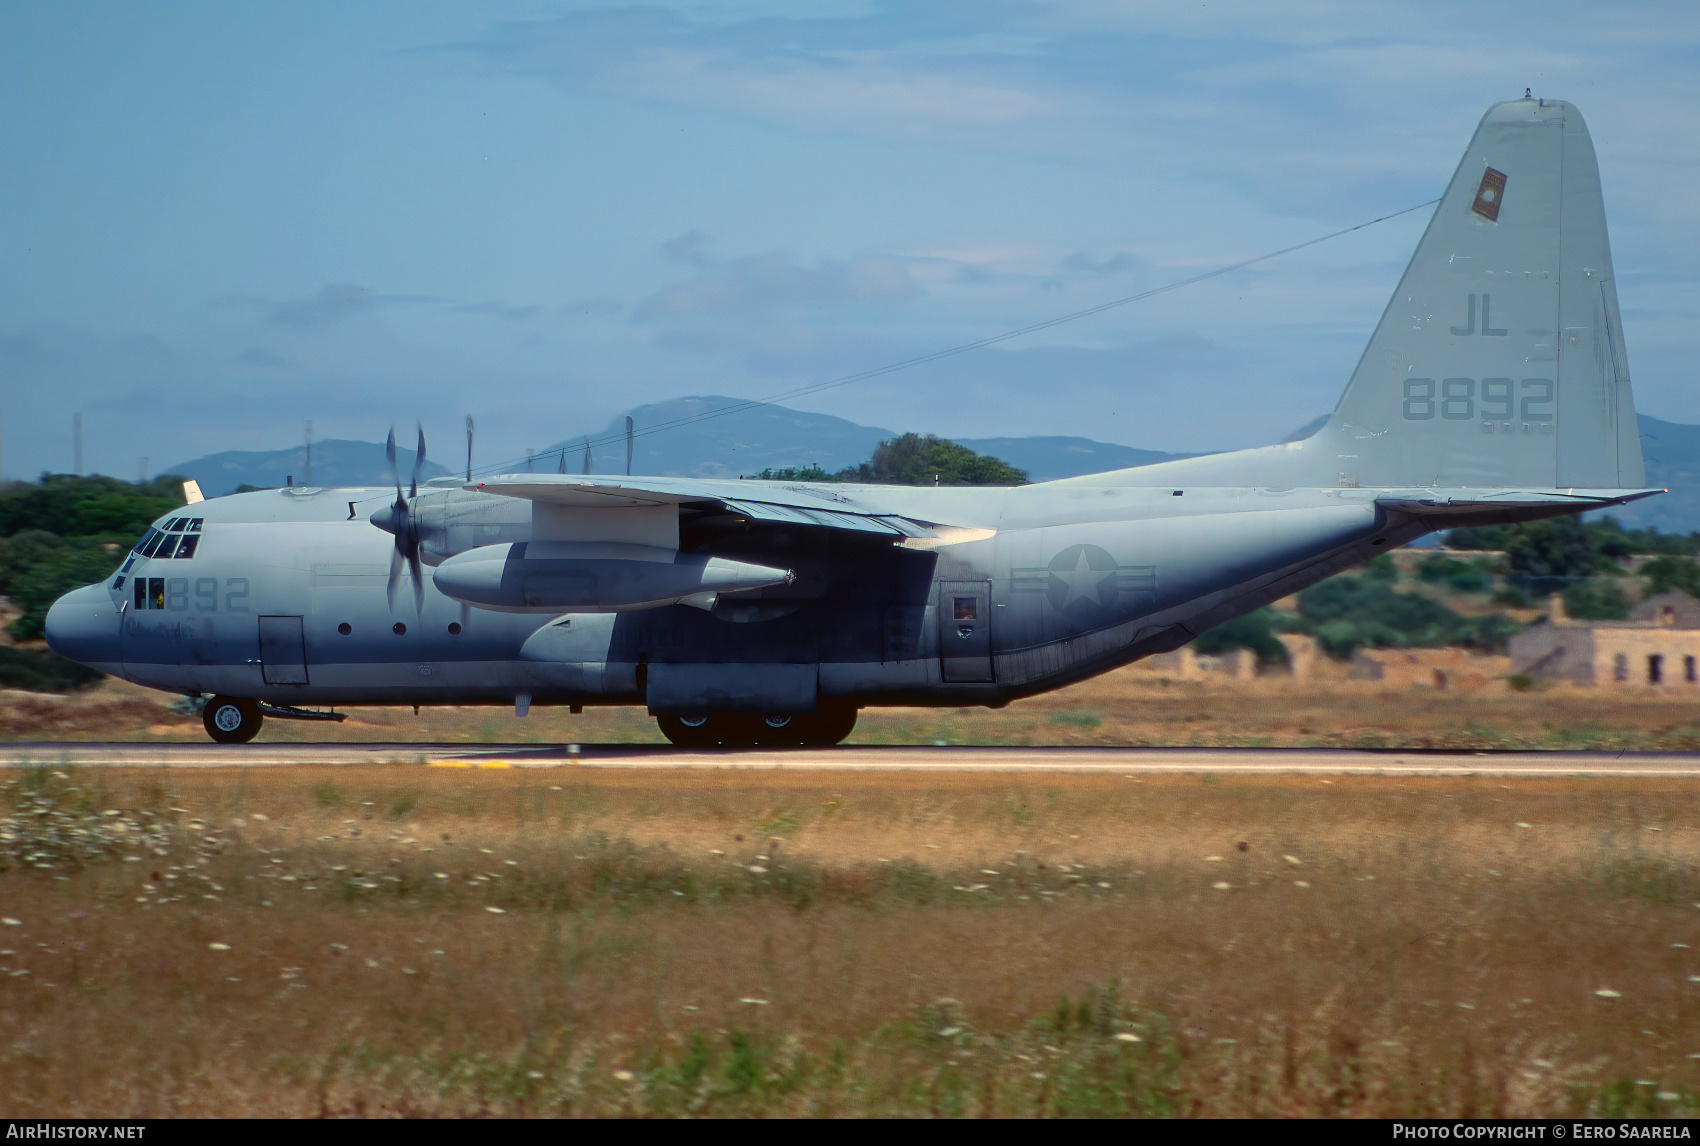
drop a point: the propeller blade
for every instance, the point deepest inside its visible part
(418, 583)
(395, 574)
(389, 452)
(418, 462)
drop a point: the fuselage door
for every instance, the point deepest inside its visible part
(283, 652)
(965, 634)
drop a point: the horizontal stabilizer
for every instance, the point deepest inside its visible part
(1428, 503)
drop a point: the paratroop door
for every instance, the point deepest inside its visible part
(283, 653)
(965, 634)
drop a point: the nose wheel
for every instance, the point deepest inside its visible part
(230, 720)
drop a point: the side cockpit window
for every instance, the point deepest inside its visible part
(178, 538)
(150, 592)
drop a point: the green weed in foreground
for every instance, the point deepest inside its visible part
(1095, 1058)
(1077, 718)
(237, 947)
(1098, 1059)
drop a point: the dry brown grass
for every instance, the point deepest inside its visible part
(1132, 706)
(923, 944)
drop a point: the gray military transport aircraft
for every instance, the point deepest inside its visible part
(1495, 389)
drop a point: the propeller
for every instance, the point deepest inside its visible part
(404, 525)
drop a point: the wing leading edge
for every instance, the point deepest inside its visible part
(790, 504)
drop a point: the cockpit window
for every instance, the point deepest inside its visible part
(179, 537)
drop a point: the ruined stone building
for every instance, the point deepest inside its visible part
(1659, 644)
(1450, 668)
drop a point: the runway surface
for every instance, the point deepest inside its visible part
(1128, 761)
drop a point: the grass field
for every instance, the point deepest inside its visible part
(1132, 706)
(405, 940)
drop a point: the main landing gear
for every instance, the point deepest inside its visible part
(232, 721)
(828, 726)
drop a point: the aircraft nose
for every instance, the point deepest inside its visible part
(83, 626)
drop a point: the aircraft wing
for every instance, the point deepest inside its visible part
(799, 504)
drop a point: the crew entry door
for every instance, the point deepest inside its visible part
(283, 654)
(965, 635)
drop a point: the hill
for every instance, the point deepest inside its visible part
(776, 437)
(336, 461)
(1672, 453)
(745, 442)
(1049, 458)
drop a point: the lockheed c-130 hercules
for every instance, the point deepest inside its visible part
(1495, 389)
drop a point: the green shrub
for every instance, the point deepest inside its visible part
(1601, 599)
(1458, 576)
(809, 472)
(1666, 573)
(1344, 613)
(1549, 556)
(42, 671)
(1254, 631)
(79, 506)
(36, 588)
(913, 459)
(1380, 568)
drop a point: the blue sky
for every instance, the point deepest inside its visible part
(219, 220)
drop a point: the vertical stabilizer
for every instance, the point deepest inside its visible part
(1500, 361)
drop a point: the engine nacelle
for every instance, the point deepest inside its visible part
(594, 577)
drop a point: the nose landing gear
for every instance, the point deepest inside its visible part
(229, 720)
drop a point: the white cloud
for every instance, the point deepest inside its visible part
(328, 304)
(758, 285)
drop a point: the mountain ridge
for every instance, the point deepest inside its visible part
(770, 436)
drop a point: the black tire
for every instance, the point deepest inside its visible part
(826, 727)
(720, 729)
(689, 731)
(780, 731)
(230, 720)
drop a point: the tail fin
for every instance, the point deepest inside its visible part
(1500, 360)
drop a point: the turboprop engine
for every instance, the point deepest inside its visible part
(594, 577)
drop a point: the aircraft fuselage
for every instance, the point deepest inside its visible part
(286, 600)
